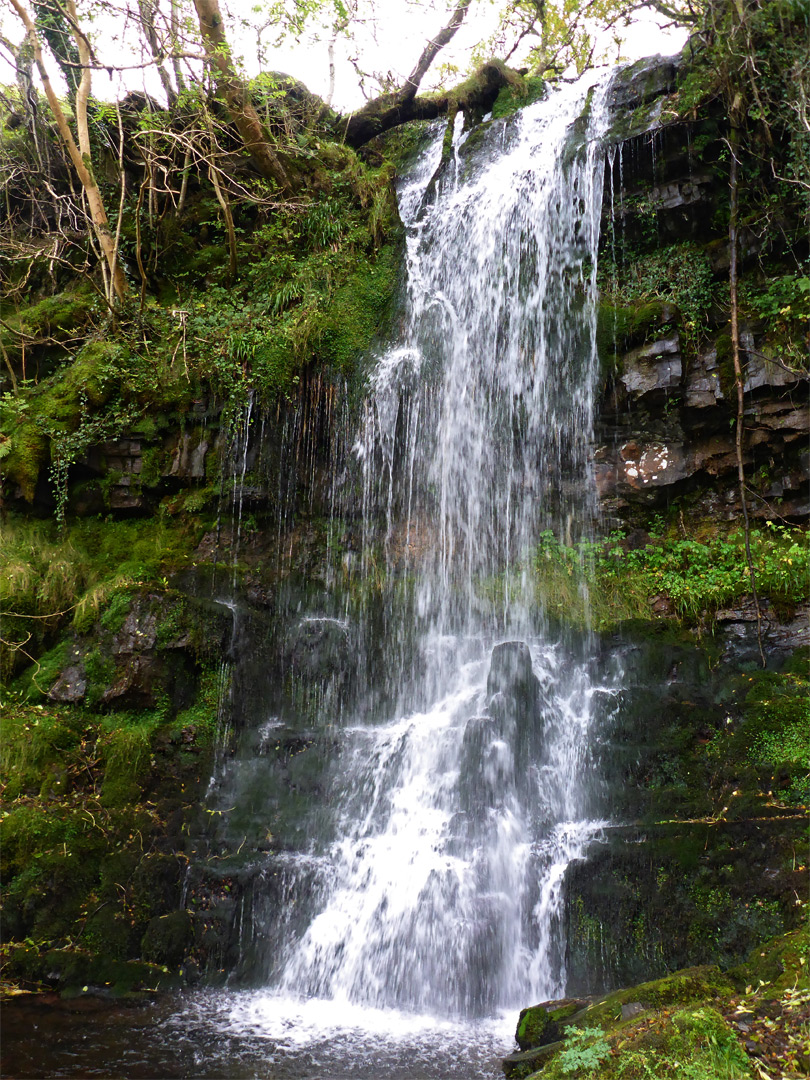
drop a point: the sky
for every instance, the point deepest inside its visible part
(390, 42)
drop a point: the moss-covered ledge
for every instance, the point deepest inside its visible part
(695, 1023)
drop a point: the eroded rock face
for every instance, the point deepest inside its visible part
(153, 653)
(667, 415)
(653, 367)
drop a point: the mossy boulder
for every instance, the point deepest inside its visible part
(541, 1024)
(620, 328)
(679, 988)
(777, 965)
(28, 454)
(516, 95)
(168, 938)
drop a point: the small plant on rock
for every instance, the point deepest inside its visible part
(585, 1048)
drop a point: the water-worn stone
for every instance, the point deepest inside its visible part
(319, 648)
(645, 80)
(510, 672)
(525, 1062)
(139, 632)
(702, 389)
(188, 456)
(139, 680)
(167, 938)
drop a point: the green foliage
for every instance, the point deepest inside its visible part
(585, 1049)
(775, 734)
(50, 577)
(782, 302)
(603, 583)
(698, 1045)
(35, 740)
(688, 1026)
(679, 274)
(85, 860)
(574, 584)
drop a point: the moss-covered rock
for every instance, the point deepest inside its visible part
(167, 939)
(541, 1024)
(696, 1022)
(75, 972)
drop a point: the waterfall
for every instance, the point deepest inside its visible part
(462, 780)
(437, 886)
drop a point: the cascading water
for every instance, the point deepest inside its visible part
(459, 780)
(453, 824)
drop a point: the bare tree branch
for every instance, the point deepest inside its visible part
(431, 51)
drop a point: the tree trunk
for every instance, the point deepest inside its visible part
(147, 12)
(233, 89)
(388, 111)
(79, 155)
(739, 380)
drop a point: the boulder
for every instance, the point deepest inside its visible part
(542, 1024)
(511, 674)
(526, 1062)
(70, 687)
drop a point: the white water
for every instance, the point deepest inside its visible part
(420, 897)
(455, 820)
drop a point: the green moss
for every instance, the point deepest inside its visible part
(725, 365)
(127, 754)
(402, 145)
(155, 463)
(700, 82)
(774, 736)
(100, 670)
(680, 988)
(668, 285)
(78, 971)
(538, 1025)
(200, 719)
(532, 1024)
(622, 327)
(116, 611)
(50, 320)
(517, 95)
(777, 965)
(357, 311)
(67, 311)
(40, 677)
(27, 456)
(167, 939)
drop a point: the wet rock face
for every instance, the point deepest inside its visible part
(513, 696)
(153, 653)
(781, 636)
(655, 368)
(644, 81)
(666, 418)
(491, 769)
(320, 649)
(543, 1023)
(511, 674)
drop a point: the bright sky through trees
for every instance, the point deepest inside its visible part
(388, 36)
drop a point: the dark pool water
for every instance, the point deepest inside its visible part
(243, 1034)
